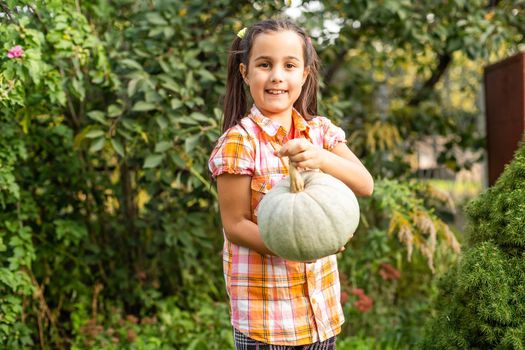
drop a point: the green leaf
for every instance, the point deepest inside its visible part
(165, 66)
(131, 63)
(142, 106)
(178, 160)
(190, 81)
(199, 116)
(114, 111)
(454, 44)
(168, 32)
(206, 75)
(93, 134)
(98, 116)
(117, 146)
(156, 18)
(170, 84)
(153, 160)
(69, 231)
(78, 88)
(163, 146)
(155, 31)
(218, 113)
(176, 103)
(162, 122)
(199, 101)
(187, 120)
(132, 87)
(35, 70)
(190, 143)
(129, 124)
(97, 145)
(125, 134)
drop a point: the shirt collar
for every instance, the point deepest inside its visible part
(270, 127)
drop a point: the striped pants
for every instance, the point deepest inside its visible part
(242, 342)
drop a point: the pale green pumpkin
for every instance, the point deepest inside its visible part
(309, 221)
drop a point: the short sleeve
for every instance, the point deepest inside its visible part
(332, 134)
(234, 154)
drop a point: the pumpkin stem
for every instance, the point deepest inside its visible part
(296, 180)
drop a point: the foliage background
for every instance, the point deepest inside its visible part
(109, 230)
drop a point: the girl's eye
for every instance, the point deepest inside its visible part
(290, 65)
(264, 65)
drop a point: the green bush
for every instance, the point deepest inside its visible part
(482, 300)
(171, 327)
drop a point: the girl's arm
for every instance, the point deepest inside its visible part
(234, 203)
(341, 163)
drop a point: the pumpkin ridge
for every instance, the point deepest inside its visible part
(294, 240)
(270, 212)
(324, 212)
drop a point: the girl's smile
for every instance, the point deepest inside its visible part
(275, 74)
(276, 92)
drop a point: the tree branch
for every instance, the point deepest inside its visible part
(493, 3)
(6, 10)
(330, 72)
(444, 61)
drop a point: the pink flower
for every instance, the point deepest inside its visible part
(15, 52)
(388, 272)
(365, 303)
(358, 291)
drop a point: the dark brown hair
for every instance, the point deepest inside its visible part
(235, 100)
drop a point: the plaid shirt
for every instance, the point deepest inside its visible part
(274, 300)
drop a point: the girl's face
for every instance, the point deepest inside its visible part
(276, 73)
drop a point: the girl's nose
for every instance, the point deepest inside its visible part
(277, 75)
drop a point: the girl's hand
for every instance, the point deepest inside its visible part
(302, 153)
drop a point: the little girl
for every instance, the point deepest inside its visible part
(275, 303)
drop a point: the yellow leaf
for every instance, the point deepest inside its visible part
(25, 124)
(142, 199)
(144, 136)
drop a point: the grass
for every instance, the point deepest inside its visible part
(460, 191)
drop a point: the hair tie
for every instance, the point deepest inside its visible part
(241, 32)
